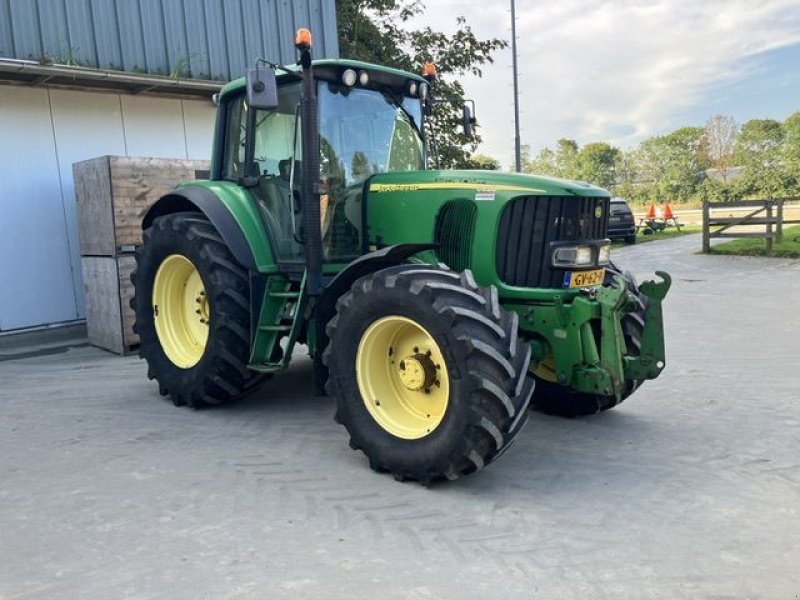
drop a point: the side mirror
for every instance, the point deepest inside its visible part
(468, 120)
(262, 89)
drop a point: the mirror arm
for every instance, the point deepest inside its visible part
(248, 178)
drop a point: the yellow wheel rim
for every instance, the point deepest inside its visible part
(402, 377)
(546, 369)
(181, 311)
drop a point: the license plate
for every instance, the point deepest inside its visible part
(578, 279)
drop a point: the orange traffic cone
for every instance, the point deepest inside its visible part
(651, 212)
(668, 211)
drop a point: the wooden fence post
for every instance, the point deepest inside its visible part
(779, 231)
(706, 237)
(768, 238)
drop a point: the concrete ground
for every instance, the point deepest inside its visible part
(691, 489)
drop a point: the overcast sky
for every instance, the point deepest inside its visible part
(622, 70)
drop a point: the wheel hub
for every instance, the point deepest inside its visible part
(202, 308)
(402, 377)
(417, 372)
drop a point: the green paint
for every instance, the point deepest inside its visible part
(280, 299)
(402, 208)
(563, 328)
(239, 201)
(651, 361)
(580, 330)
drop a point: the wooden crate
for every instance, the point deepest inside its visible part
(113, 193)
(108, 287)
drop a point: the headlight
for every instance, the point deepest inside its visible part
(423, 91)
(412, 88)
(349, 77)
(604, 256)
(363, 78)
(573, 256)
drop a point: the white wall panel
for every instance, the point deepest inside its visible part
(199, 115)
(42, 132)
(86, 124)
(153, 127)
(36, 282)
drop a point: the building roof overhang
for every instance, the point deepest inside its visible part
(32, 73)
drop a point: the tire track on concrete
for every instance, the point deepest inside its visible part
(428, 532)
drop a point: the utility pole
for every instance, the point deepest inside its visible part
(517, 146)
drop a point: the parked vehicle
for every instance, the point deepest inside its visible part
(431, 301)
(621, 222)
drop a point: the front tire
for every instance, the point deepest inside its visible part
(429, 376)
(191, 300)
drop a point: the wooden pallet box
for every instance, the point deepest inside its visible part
(108, 288)
(113, 193)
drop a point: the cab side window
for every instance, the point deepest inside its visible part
(276, 192)
(234, 141)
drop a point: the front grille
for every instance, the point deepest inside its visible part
(529, 224)
(454, 231)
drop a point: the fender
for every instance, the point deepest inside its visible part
(364, 265)
(326, 305)
(196, 199)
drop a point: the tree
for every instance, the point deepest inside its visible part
(629, 183)
(719, 143)
(566, 158)
(378, 31)
(758, 152)
(791, 152)
(556, 163)
(543, 164)
(674, 164)
(596, 163)
(483, 162)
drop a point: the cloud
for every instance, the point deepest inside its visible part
(614, 70)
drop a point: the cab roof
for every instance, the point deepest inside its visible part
(238, 84)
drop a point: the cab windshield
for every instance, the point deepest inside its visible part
(362, 132)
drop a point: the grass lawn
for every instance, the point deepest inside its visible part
(669, 232)
(788, 248)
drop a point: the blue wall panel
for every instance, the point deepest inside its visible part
(83, 45)
(203, 39)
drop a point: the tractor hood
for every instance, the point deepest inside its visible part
(483, 182)
(479, 219)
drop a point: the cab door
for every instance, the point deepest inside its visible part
(274, 176)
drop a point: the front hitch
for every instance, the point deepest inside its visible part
(651, 359)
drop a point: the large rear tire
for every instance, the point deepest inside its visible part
(192, 312)
(429, 376)
(554, 399)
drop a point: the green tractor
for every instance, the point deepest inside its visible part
(437, 306)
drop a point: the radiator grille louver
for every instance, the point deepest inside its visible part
(530, 223)
(454, 232)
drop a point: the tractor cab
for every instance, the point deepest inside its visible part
(369, 120)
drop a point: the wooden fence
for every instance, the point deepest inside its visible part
(768, 213)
